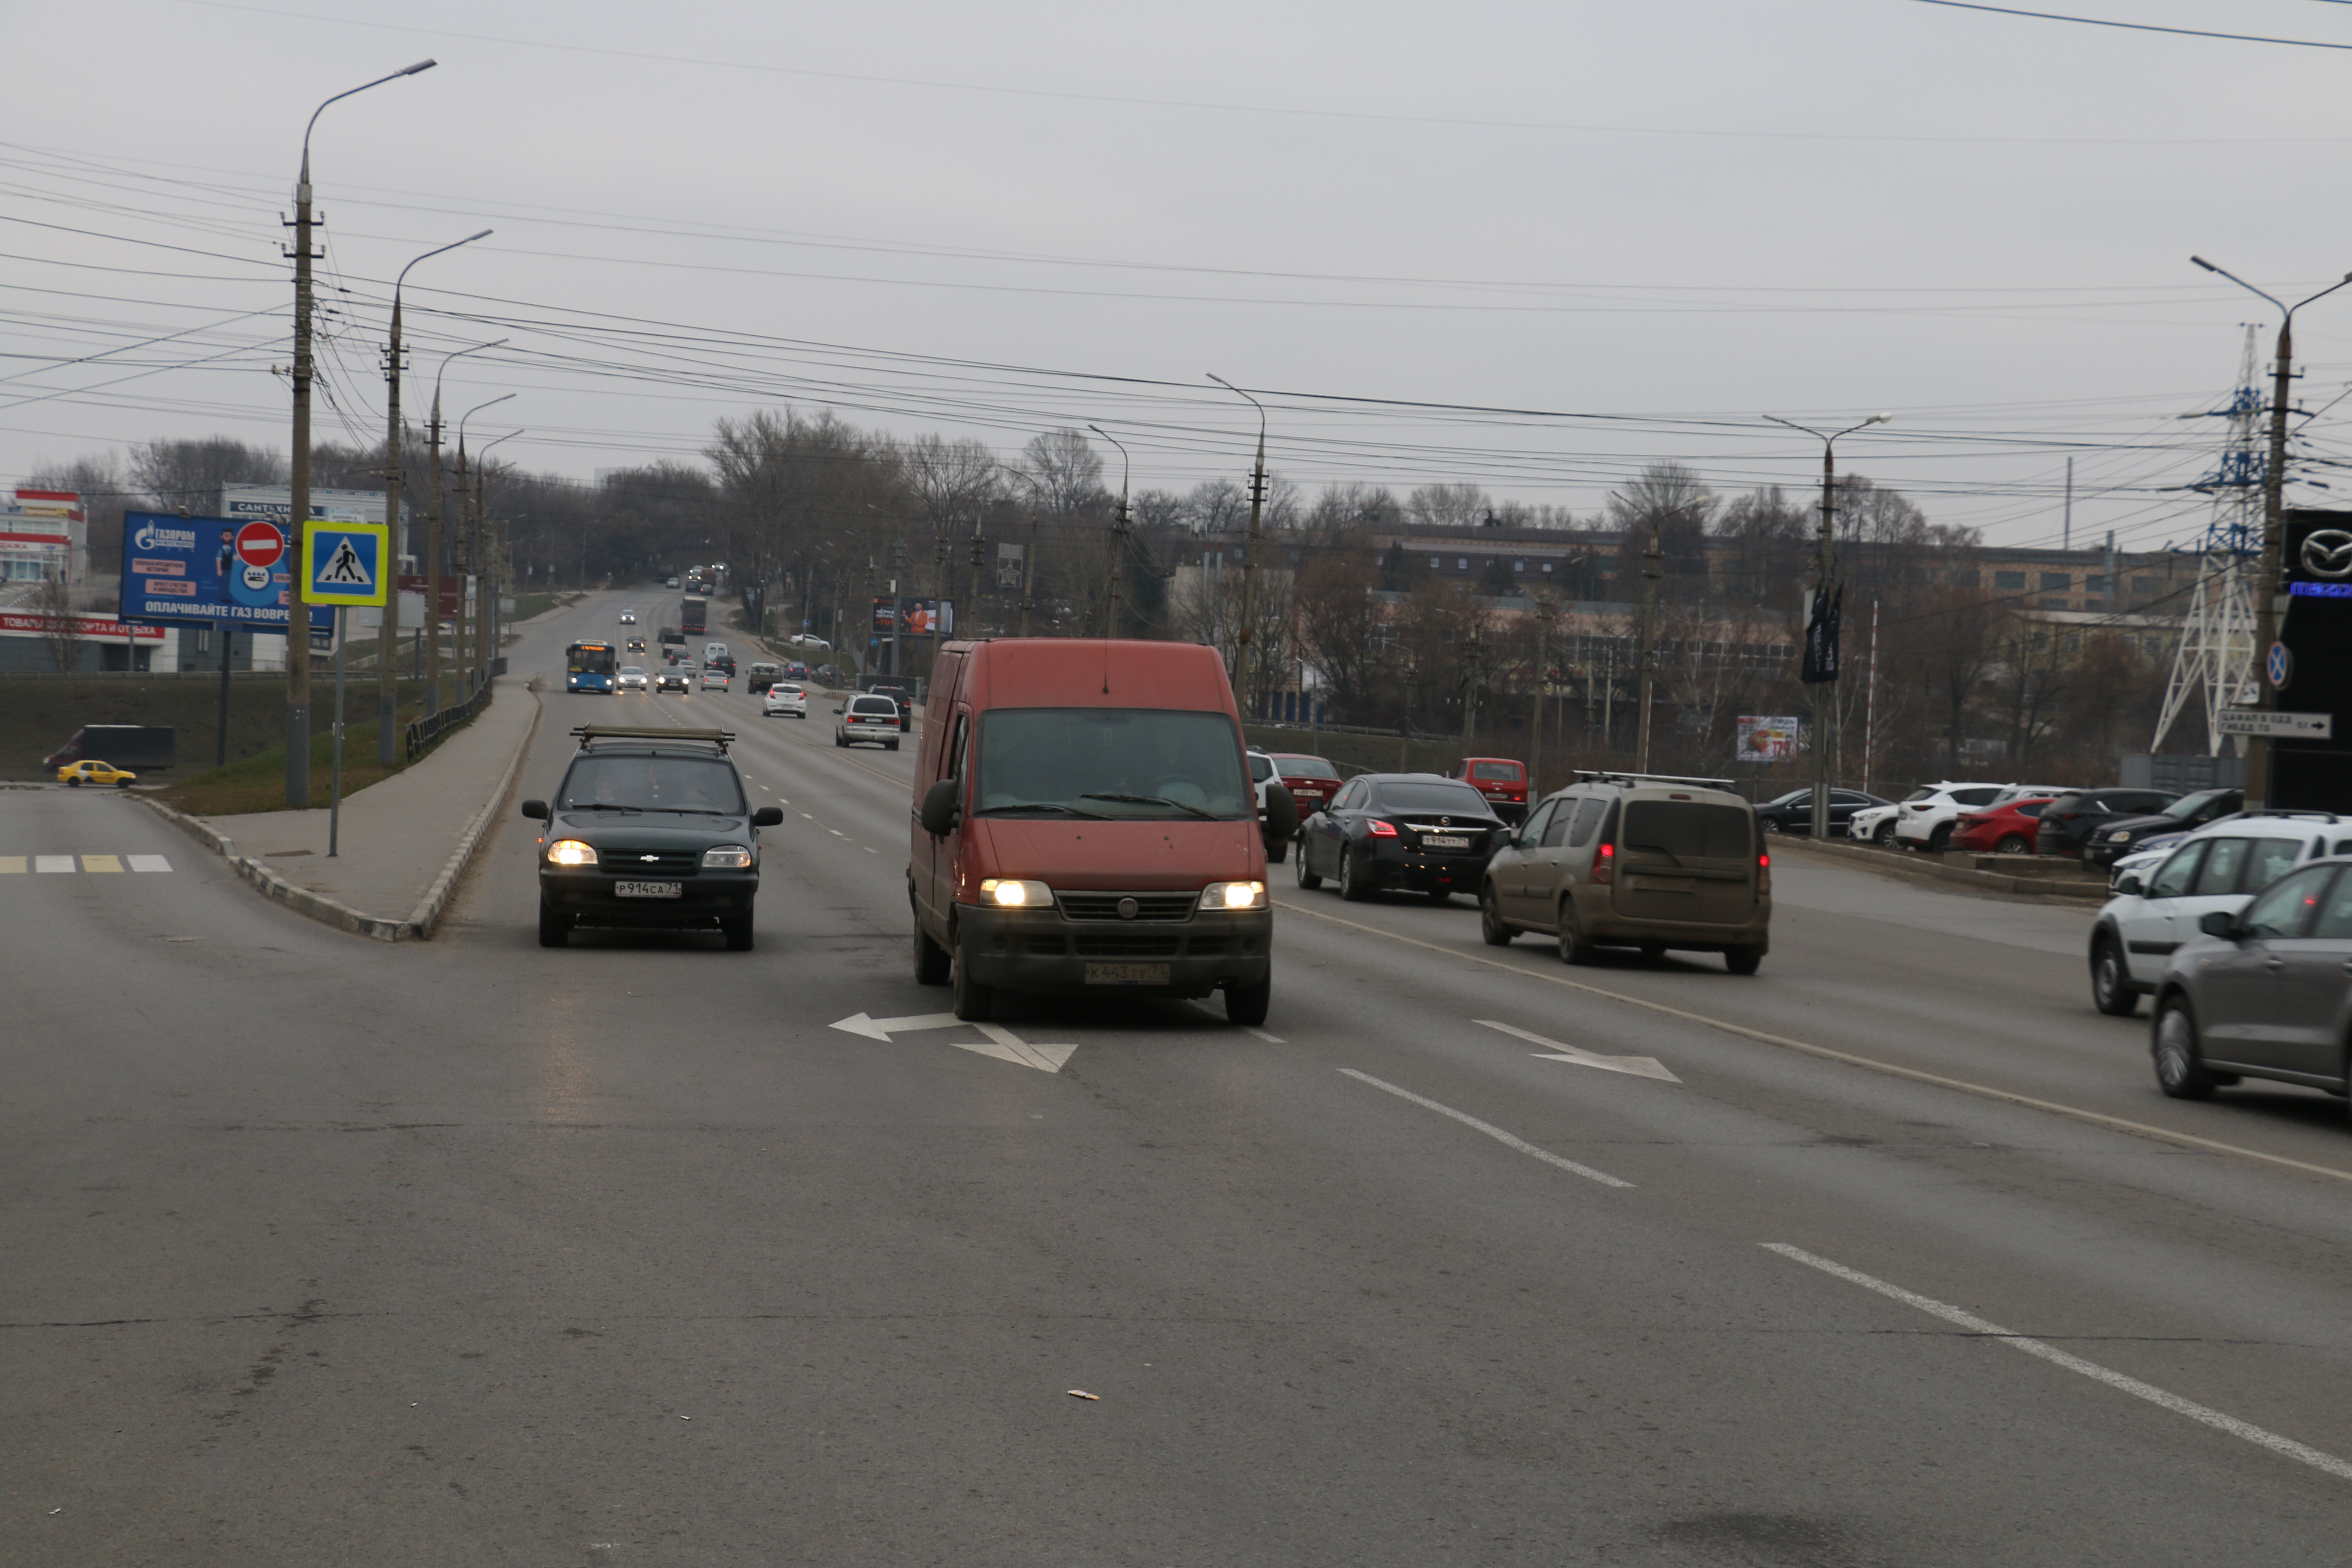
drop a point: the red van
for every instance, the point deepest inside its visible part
(1085, 822)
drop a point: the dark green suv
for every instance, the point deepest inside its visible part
(650, 830)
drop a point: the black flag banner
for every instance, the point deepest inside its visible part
(1822, 637)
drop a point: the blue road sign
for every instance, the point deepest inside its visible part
(342, 563)
(2281, 664)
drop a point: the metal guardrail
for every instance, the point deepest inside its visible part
(422, 732)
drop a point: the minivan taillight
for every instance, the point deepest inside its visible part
(1763, 874)
(1604, 864)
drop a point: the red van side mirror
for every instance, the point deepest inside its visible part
(940, 811)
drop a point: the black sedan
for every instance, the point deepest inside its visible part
(1793, 812)
(2119, 835)
(1415, 831)
(2071, 821)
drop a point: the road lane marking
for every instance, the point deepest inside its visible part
(150, 863)
(806, 817)
(1986, 1091)
(12, 865)
(2090, 1369)
(1001, 1043)
(1639, 1066)
(53, 863)
(102, 863)
(1261, 1034)
(1491, 1131)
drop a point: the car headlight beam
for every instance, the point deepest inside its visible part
(1233, 895)
(1007, 893)
(570, 852)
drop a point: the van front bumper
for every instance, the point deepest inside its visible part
(1039, 951)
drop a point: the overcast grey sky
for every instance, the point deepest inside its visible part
(987, 220)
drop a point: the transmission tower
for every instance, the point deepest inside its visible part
(2216, 656)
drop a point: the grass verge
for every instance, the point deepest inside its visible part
(257, 782)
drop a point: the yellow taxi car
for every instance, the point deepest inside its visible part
(79, 774)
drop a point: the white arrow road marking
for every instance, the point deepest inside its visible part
(1001, 1043)
(1639, 1066)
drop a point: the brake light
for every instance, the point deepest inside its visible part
(1381, 829)
(1763, 873)
(1604, 864)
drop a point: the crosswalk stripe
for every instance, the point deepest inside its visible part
(17, 864)
(102, 863)
(149, 863)
(12, 865)
(53, 862)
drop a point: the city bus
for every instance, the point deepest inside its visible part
(591, 666)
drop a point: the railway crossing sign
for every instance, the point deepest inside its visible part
(343, 563)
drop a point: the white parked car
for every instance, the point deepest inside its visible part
(2219, 867)
(1928, 813)
(783, 697)
(867, 718)
(1873, 825)
(631, 679)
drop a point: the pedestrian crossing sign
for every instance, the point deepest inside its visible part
(342, 563)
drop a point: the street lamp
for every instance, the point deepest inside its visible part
(387, 642)
(433, 539)
(1823, 708)
(297, 511)
(1249, 545)
(478, 554)
(471, 521)
(2258, 747)
(1117, 528)
(1029, 566)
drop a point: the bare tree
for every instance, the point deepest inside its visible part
(1447, 506)
(173, 474)
(54, 602)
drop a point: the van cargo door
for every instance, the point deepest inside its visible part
(1685, 860)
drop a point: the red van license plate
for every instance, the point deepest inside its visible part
(1127, 974)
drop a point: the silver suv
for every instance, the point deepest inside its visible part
(1636, 861)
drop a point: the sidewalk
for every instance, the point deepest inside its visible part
(401, 844)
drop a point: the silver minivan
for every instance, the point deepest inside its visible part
(1636, 861)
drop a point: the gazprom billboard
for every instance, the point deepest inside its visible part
(201, 571)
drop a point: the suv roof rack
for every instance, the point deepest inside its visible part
(588, 734)
(1612, 776)
(2290, 811)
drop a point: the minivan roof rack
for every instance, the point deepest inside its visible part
(588, 733)
(1612, 775)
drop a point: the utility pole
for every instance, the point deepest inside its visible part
(1651, 573)
(1545, 612)
(298, 610)
(1472, 647)
(1118, 531)
(432, 627)
(1249, 545)
(1825, 707)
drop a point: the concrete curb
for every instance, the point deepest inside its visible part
(428, 913)
(302, 900)
(421, 921)
(1897, 863)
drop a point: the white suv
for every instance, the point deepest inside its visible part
(1873, 825)
(1928, 814)
(867, 718)
(2221, 865)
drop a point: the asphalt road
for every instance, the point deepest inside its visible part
(325, 1250)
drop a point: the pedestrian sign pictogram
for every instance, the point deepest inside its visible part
(343, 563)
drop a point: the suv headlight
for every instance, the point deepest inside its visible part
(727, 858)
(570, 852)
(1233, 895)
(1007, 894)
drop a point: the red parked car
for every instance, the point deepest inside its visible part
(1501, 780)
(2009, 828)
(1311, 781)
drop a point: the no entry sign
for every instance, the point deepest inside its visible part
(260, 544)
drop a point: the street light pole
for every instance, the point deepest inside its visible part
(1029, 565)
(471, 521)
(1117, 528)
(2257, 788)
(1825, 703)
(297, 511)
(432, 627)
(482, 549)
(1249, 545)
(387, 641)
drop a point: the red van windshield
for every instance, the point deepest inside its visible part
(1126, 763)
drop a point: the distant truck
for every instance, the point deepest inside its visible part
(694, 613)
(132, 747)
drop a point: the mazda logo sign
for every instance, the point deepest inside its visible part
(2327, 552)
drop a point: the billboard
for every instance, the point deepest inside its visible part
(925, 617)
(1762, 740)
(198, 571)
(38, 532)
